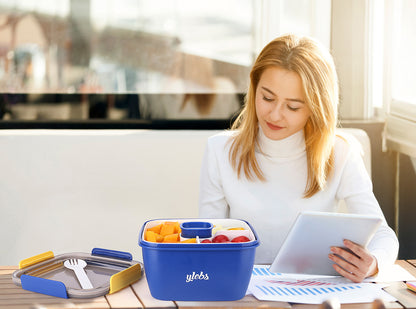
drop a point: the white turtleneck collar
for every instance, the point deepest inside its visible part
(289, 147)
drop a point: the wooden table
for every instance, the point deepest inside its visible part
(138, 295)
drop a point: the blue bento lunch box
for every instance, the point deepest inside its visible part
(200, 271)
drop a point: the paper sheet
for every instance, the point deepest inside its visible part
(395, 273)
(316, 292)
(310, 289)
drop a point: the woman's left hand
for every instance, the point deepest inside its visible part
(356, 264)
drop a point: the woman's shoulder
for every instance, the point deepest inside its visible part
(222, 136)
(221, 139)
(352, 159)
(346, 142)
(348, 148)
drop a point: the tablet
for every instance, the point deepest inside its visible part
(307, 245)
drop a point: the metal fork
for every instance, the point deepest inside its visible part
(77, 265)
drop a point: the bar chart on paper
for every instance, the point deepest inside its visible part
(276, 287)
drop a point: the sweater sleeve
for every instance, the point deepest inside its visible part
(357, 191)
(212, 202)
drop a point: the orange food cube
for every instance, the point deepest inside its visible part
(156, 228)
(167, 229)
(150, 236)
(171, 238)
(177, 227)
(159, 238)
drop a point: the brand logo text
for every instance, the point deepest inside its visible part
(196, 276)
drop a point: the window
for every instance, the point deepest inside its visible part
(91, 57)
(400, 79)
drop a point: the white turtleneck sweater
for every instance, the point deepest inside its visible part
(272, 206)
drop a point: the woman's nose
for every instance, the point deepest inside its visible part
(277, 112)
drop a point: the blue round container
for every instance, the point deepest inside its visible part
(198, 272)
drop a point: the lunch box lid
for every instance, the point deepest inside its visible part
(108, 270)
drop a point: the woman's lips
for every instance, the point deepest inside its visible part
(273, 127)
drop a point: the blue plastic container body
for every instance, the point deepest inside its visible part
(198, 272)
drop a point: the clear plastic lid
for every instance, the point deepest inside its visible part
(107, 270)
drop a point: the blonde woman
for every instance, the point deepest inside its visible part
(283, 156)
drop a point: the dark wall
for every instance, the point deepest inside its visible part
(407, 202)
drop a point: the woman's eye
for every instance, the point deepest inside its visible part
(293, 108)
(267, 99)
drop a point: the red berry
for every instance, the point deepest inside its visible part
(240, 239)
(220, 238)
(206, 240)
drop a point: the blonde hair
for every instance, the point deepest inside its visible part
(315, 66)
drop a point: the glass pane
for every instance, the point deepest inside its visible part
(404, 51)
(122, 46)
(123, 59)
